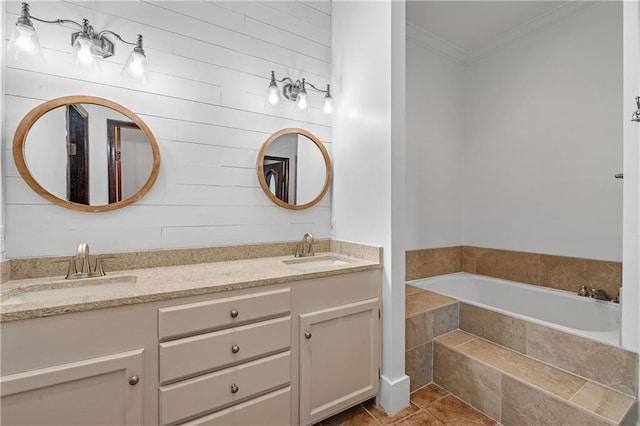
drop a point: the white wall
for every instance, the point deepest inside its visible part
(209, 65)
(544, 139)
(631, 238)
(435, 143)
(368, 72)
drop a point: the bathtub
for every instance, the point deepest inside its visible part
(565, 311)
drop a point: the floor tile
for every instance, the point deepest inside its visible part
(355, 416)
(421, 418)
(451, 411)
(455, 338)
(427, 395)
(377, 412)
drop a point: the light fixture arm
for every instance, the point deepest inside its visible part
(119, 37)
(292, 89)
(102, 45)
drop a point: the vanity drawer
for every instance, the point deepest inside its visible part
(193, 318)
(209, 392)
(272, 409)
(192, 355)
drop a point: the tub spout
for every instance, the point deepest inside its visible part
(584, 292)
(598, 293)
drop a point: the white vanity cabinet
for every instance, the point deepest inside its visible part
(282, 354)
(339, 343)
(235, 355)
(78, 369)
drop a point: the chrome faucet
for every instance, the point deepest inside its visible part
(305, 248)
(82, 254)
(598, 293)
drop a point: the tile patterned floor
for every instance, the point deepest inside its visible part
(429, 406)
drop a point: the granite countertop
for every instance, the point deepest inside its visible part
(162, 283)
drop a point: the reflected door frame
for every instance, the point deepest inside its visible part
(114, 157)
(278, 167)
(77, 154)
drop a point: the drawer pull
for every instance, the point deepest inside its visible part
(233, 313)
(234, 388)
(235, 349)
(133, 380)
(307, 335)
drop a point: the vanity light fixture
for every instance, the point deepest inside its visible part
(296, 91)
(88, 45)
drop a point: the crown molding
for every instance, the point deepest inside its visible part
(429, 40)
(560, 12)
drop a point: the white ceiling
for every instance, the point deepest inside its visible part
(471, 25)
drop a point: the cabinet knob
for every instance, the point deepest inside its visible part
(133, 380)
(235, 349)
(233, 313)
(234, 388)
(307, 335)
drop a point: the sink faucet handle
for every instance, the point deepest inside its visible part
(99, 269)
(71, 268)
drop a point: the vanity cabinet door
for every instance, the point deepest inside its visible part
(339, 358)
(96, 391)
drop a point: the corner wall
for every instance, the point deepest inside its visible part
(210, 65)
(368, 71)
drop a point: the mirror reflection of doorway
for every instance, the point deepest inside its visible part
(126, 146)
(276, 173)
(77, 154)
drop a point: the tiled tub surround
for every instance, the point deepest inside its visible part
(509, 368)
(169, 282)
(515, 389)
(428, 315)
(559, 272)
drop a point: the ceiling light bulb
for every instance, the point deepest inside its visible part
(84, 56)
(136, 67)
(24, 40)
(273, 95)
(328, 108)
(302, 101)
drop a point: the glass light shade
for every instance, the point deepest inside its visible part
(136, 67)
(24, 43)
(302, 100)
(85, 54)
(273, 95)
(328, 107)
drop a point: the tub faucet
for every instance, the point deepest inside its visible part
(584, 292)
(598, 293)
(305, 248)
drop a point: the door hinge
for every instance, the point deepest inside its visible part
(379, 373)
(379, 314)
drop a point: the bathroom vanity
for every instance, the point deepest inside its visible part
(241, 342)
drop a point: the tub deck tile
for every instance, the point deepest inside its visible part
(552, 380)
(603, 401)
(425, 300)
(455, 338)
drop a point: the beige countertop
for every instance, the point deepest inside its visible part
(162, 283)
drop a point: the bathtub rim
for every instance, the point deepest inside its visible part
(611, 338)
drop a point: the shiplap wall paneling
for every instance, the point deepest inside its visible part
(209, 65)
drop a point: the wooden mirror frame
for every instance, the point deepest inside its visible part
(20, 138)
(265, 185)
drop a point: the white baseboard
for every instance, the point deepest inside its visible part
(394, 394)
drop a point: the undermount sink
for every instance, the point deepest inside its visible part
(66, 289)
(316, 262)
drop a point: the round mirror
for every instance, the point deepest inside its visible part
(294, 169)
(86, 153)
